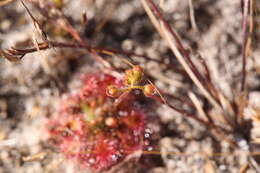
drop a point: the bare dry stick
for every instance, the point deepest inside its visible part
(192, 17)
(36, 24)
(38, 31)
(198, 106)
(245, 39)
(5, 2)
(188, 70)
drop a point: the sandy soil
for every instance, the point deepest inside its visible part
(30, 89)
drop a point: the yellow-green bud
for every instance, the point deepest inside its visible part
(113, 91)
(149, 90)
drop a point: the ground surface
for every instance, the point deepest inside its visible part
(30, 90)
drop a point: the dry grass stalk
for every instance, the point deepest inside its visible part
(209, 167)
(247, 28)
(198, 106)
(192, 17)
(244, 168)
(161, 28)
(5, 2)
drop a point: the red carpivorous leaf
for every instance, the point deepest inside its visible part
(93, 131)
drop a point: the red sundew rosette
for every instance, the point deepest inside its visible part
(96, 145)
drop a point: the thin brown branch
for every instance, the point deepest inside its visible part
(218, 131)
(190, 115)
(20, 53)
